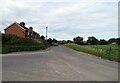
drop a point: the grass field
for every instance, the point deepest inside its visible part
(109, 52)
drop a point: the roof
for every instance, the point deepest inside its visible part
(24, 28)
(35, 33)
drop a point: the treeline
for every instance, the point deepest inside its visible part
(51, 41)
(91, 41)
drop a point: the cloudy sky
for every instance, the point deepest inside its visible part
(65, 18)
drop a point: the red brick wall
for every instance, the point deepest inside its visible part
(15, 30)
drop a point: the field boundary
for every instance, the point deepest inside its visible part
(102, 51)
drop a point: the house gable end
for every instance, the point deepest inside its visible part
(13, 25)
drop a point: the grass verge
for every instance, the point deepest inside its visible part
(110, 52)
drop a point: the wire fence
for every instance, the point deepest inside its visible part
(108, 51)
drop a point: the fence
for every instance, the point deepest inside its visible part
(108, 51)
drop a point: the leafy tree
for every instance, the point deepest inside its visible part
(69, 41)
(54, 40)
(42, 37)
(118, 41)
(111, 40)
(92, 40)
(78, 40)
(63, 42)
(102, 42)
(50, 41)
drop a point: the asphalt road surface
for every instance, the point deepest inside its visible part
(57, 64)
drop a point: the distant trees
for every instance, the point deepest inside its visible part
(112, 40)
(63, 42)
(54, 40)
(103, 42)
(92, 41)
(42, 37)
(78, 40)
(69, 41)
(50, 41)
(118, 40)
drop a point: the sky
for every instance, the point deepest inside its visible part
(65, 19)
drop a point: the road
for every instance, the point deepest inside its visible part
(57, 64)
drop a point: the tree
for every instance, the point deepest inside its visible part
(78, 40)
(102, 42)
(50, 41)
(42, 37)
(92, 40)
(118, 41)
(69, 41)
(112, 40)
(54, 40)
(63, 42)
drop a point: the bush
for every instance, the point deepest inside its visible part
(12, 43)
(15, 40)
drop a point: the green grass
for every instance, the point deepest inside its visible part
(109, 52)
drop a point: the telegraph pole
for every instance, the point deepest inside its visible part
(46, 33)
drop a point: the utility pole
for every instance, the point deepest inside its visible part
(46, 33)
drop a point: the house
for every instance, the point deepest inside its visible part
(35, 34)
(113, 43)
(21, 30)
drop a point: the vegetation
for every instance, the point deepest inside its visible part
(42, 37)
(12, 43)
(78, 40)
(107, 49)
(109, 52)
(51, 41)
(94, 41)
(63, 42)
(103, 42)
(0, 47)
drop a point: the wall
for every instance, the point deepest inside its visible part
(15, 30)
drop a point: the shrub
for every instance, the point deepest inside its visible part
(12, 43)
(15, 40)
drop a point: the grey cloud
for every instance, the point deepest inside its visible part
(66, 19)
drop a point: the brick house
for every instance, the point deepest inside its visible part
(20, 30)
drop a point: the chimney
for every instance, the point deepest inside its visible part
(30, 29)
(30, 32)
(22, 24)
